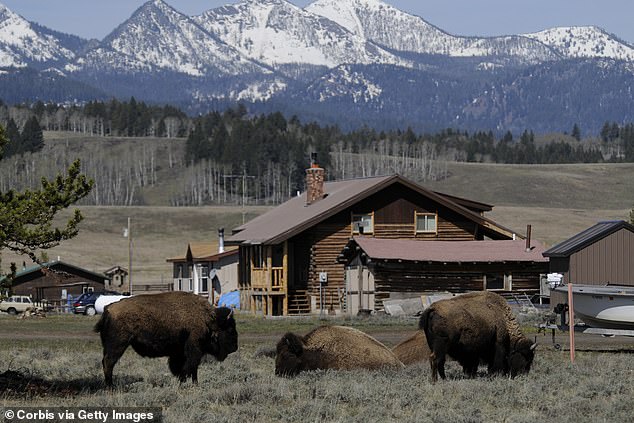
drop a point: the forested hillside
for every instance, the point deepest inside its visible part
(140, 154)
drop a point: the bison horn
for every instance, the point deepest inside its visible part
(534, 346)
(230, 314)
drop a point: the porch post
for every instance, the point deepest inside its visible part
(269, 279)
(285, 280)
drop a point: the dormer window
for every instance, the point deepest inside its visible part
(426, 223)
(363, 223)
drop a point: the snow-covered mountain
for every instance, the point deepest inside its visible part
(340, 61)
(277, 32)
(388, 26)
(584, 42)
(162, 38)
(23, 44)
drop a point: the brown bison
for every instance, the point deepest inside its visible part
(331, 347)
(178, 325)
(412, 350)
(476, 328)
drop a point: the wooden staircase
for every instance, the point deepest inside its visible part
(298, 302)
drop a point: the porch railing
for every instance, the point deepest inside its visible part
(262, 278)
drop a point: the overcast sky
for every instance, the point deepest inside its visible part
(96, 18)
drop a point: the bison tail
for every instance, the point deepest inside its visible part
(423, 323)
(101, 324)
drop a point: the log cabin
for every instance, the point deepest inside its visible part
(389, 270)
(288, 256)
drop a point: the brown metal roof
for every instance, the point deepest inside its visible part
(587, 237)
(294, 216)
(470, 204)
(444, 251)
(202, 251)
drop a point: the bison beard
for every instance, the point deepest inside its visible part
(177, 325)
(476, 328)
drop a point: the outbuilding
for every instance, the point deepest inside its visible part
(600, 255)
(378, 270)
(55, 281)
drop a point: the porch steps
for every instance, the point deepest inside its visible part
(298, 302)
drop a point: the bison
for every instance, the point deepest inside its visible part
(474, 328)
(413, 349)
(178, 325)
(331, 347)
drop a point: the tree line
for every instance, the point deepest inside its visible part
(234, 157)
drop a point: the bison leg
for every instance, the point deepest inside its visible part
(470, 369)
(111, 355)
(193, 356)
(175, 363)
(438, 357)
(437, 363)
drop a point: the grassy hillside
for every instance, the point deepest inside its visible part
(578, 186)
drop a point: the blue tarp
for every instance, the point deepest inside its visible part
(230, 299)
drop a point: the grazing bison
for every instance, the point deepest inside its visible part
(331, 347)
(412, 350)
(474, 328)
(178, 325)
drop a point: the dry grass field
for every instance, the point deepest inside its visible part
(62, 354)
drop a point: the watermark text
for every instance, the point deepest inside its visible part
(82, 414)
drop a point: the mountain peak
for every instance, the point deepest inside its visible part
(584, 42)
(277, 33)
(22, 44)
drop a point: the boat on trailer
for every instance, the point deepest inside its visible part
(609, 307)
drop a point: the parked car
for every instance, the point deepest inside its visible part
(85, 303)
(16, 304)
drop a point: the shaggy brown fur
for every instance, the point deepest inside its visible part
(179, 325)
(473, 328)
(331, 347)
(413, 350)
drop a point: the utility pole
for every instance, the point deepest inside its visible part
(128, 234)
(244, 177)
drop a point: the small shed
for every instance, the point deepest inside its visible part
(600, 255)
(391, 269)
(55, 281)
(117, 279)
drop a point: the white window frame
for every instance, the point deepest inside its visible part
(425, 215)
(507, 283)
(362, 217)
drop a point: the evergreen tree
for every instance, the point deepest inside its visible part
(576, 132)
(32, 138)
(26, 218)
(13, 139)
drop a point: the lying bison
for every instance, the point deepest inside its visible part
(178, 325)
(474, 328)
(413, 349)
(331, 347)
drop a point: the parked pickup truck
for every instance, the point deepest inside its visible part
(17, 304)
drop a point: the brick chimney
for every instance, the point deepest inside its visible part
(314, 181)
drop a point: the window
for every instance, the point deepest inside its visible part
(426, 223)
(497, 282)
(204, 279)
(363, 223)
